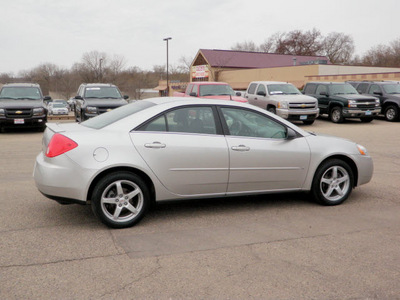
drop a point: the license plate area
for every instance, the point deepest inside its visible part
(19, 121)
(303, 117)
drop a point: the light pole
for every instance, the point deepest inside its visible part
(101, 75)
(167, 39)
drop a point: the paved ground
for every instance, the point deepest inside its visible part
(266, 247)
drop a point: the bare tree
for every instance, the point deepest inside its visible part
(245, 46)
(297, 42)
(338, 47)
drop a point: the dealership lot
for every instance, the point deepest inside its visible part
(273, 246)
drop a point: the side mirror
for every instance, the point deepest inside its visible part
(47, 98)
(261, 93)
(324, 94)
(377, 93)
(192, 94)
(290, 134)
(239, 94)
(126, 97)
(78, 97)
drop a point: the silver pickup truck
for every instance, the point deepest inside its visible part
(283, 99)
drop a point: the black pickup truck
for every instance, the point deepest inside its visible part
(22, 105)
(340, 100)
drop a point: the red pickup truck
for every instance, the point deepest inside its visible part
(212, 90)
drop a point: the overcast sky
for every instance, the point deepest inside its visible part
(33, 32)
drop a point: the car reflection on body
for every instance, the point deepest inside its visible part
(173, 148)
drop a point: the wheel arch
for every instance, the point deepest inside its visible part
(138, 172)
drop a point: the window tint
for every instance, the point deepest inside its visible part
(310, 89)
(242, 122)
(252, 88)
(261, 88)
(188, 119)
(320, 89)
(374, 88)
(362, 88)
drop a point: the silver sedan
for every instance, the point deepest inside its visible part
(173, 148)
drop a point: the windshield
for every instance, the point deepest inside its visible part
(342, 89)
(216, 90)
(392, 88)
(106, 92)
(20, 93)
(59, 105)
(117, 114)
(282, 89)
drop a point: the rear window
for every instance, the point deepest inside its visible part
(117, 114)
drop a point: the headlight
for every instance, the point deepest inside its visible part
(377, 102)
(283, 104)
(38, 111)
(352, 103)
(2, 112)
(91, 110)
(362, 150)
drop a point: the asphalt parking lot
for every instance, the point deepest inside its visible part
(265, 247)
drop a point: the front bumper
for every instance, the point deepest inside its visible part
(357, 113)
(37, 121)
(298, 114)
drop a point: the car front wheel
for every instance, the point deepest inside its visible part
(120, 199)
(333, 182)
(336, 115)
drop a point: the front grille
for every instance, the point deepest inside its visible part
(18, 113)
(366, 104)
(302, 105)
(105, 109)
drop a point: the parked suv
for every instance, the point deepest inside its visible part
(340, 100)
(94, 99)
(388, 93)
(21, 105)
(283, 99)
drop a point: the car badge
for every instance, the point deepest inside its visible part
(303, 105)
(18, 112)
(109, 109)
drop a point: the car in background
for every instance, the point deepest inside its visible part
(283, 99)
(388, 93)
(340, 100)
(178, 148)
(63, 102)
(22, 105)
(57, 108)
(93, 99)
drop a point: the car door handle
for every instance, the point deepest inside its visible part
(255, 98)
(241, 148)
(155, 145)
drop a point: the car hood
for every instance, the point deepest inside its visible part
(106, 102)
(10, 103)
(293, 98)
(353, 97)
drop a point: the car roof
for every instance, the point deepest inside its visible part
(98, 84)
(271, 82)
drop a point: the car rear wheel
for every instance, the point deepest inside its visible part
(272, 109)
(333, 182)
(391, 113)
(120, 199)
(336, 115)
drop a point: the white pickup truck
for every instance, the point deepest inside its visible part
(283, 99)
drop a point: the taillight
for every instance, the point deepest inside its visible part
(59, 144)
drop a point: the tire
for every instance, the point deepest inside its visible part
(366, 119)
(271, 109)
(391, 113)
(309, 122)
(123, 195)
(336, 115)
(333, 182)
